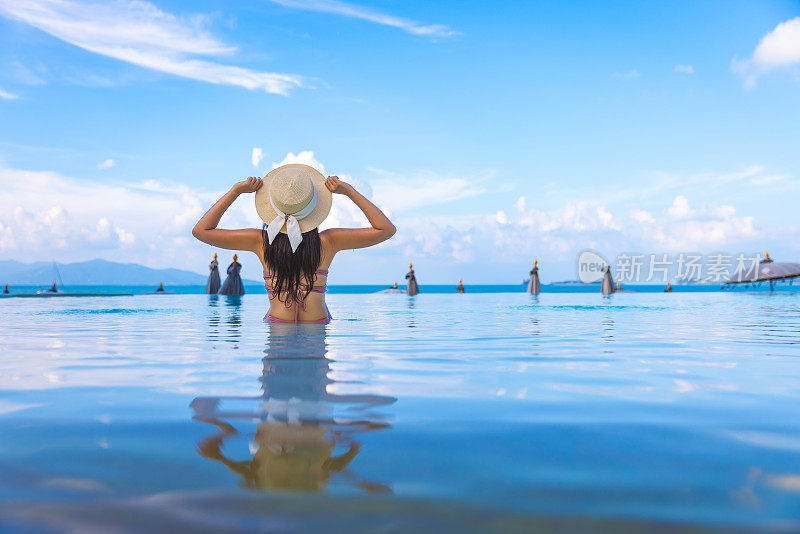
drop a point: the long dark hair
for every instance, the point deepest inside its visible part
(290, 269)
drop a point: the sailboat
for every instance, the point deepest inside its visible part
(56, 280)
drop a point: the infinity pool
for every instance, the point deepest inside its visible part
(566, 412)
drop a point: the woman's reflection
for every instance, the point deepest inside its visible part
(305, 435)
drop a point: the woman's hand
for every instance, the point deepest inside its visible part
(250, 185)
(335, 185)
(350, 238)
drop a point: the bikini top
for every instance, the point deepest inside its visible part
(301, 289)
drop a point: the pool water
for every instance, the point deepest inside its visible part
(563, 412)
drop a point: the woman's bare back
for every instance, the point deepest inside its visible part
(313, 306)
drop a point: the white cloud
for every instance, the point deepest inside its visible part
(461, 249)
(138, 32)
(105, 233)
(702, 228)
(629, 75)
(424, 188)
(306, 158)
(642, 216)
(363, 13)
(44, 215)
(106, 164)
(148, 223)
(686, 69)
(45, 211)
(680, 208)
(770, 179)
(505, 238)
(778, 48)
(125, 237)
(5, 95)
(558, 234)
(256, 157)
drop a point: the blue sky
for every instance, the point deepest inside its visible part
(493, 133)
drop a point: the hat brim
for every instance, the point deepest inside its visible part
(310, 221)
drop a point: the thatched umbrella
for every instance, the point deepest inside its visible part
(233, 283)
(212, 286)
(766, 271)
(412, 288)
(534, 287)
(608, 282)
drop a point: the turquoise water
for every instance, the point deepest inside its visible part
(567, 412)
(251, 288)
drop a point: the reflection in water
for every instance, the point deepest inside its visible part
(230, 331)
(608, 331)
(305, 435)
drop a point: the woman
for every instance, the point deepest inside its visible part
(293, 200)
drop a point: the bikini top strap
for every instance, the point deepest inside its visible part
(268, 276)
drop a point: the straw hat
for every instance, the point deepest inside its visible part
(290, 189)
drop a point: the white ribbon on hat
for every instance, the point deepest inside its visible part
(292, 226)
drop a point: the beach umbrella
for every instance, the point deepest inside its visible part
(766, 271)
(212, 286)
(608, 282)
(412, 287)
(533, 284)
(233, 283)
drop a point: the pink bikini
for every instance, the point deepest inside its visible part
(316, 289)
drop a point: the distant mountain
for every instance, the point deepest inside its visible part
(94, 272)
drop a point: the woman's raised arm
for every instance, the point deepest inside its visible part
(349, 238)
(245, 239)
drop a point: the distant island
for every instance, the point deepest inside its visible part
(95, 273)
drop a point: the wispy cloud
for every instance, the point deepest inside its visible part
(423, 188)
(138, 32)
(660, 184)
(5, 95)
(685, 69)
(106, 164)
(629, 75)
(779, 48)
(363, 13)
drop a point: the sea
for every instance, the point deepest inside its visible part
(258, 288)
(489, 411)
